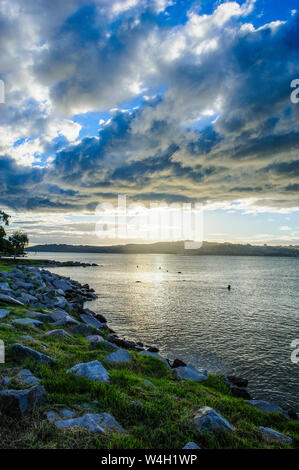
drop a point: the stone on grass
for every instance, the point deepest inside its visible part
(207, 419)
(109, 345)
(270, 435)
(191, 373)
(6, 325)
(58, 334)
(95, 340)
(91, 370)
(66, 413)
(94, 422)
(68, 320)
(43, 317)
(156, 355)
(27, 299)
(81, 329)
(121, 355)
(22, 352)
(26, 376)
(265, 406)
(148, 383)
(57, 315)
(4, 286)
(91, 321)
(191, 445)
(4, 313)
(10, 300)
(22, 402)
(28, 322)
(52, 416)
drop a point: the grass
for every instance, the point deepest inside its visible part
(164, 421)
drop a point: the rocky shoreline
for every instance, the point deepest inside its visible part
(53, 301)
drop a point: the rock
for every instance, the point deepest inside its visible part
(22, 402)
(191, 373)
(121, 355)
(265, 406)
(43, 317)
(21, 352)
(4, 286)
(148, 383)
(99, 316)
(238, 381)
(178, 363)
(60, 302)
(22, 285)
(6, 325)
(109, 345)
(95, 423)
(26, 376)
(27, 299)
(91, 370)
(29, 338)
(95, 340)
(91, 321)
(137, 403)
(58, 334)
(57, 315)
(52, 416)
(270, 435)
(191, 445)
(156, 355)
(153, 349)
(27, 322)
(4, 313)
(5, 381)
(239, 392)
(61, 284)
(9, 300)
(68, 320)
(81, 329)
(207, 419)
(66, 413)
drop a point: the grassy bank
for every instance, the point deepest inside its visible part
(162, 420)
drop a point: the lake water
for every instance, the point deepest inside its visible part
(193, 316)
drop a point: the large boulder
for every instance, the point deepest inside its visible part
(96, 423)
(43, 317)
(191, 373)
(63, 285)
(26, 376)
(207, 419)
(27, 299)
(270, 435)
(121, 355)
(22, 352)
(27, 322)
(191, 445)
(91, 321)
(4, 313)
(81, 329)
(4, 286)
(265, 406)
(58, 334)
(10, 300)
(95, 340)
(156, 355)
(91, 370)
(22, 402)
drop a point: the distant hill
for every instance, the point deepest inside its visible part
(208, 248)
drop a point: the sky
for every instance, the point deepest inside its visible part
(167, 102)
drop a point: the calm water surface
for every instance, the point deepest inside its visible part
(193, 316)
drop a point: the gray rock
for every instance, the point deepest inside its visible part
(4, 313)
(4, 286)
(191, 445)
(21, 352)
(95, 340)
(66, 413)
(270, 435)
(6, 325)
(207, 419)
(121, 355)
(57, 315)
(91, 370)
(52, 416)
(5, 381)
(22, 285)
(109, 345)
(265, 406)
(26, 376)
(27, 322)
(10, 300)
(63, 285)
(91, 321)
(27, 299)
(156, 355)
(148, 383)
(95, 423)
(68, 320)
(191, 373)
(43, 317)
(60, 302)
(58, 334)
(22, 402)
(81, 329)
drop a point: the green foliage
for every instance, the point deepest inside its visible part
(13, 244)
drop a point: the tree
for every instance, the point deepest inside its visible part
(17, 241)
(4, 219)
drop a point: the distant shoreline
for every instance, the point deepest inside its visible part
(174, 248)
